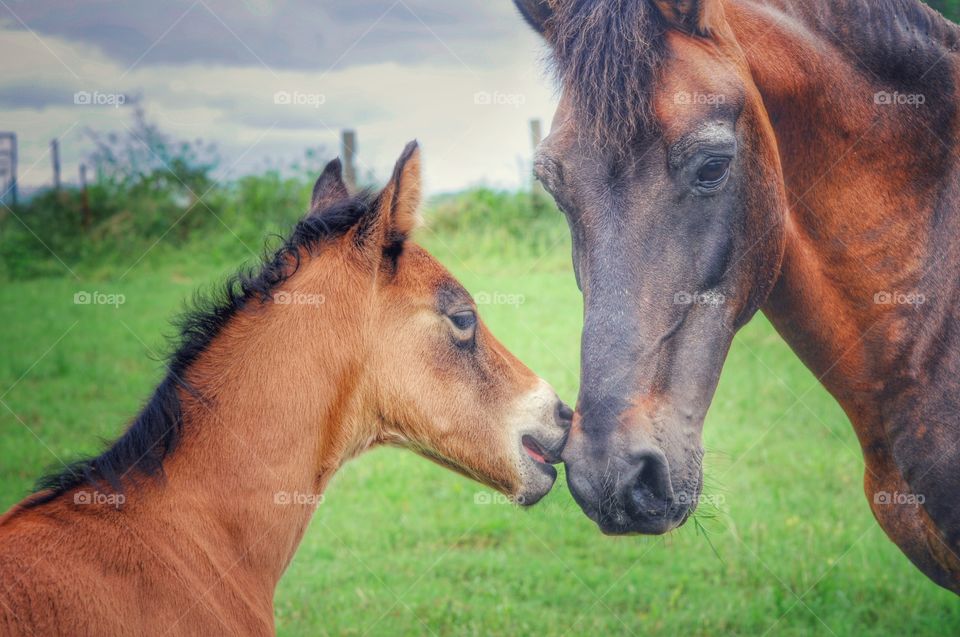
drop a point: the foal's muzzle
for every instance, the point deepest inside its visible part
(540, 442)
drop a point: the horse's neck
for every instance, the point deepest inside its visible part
(872, 187)
(258, 451)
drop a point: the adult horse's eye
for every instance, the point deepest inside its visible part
(465, 323)
(713, 173)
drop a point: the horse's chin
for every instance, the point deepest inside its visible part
(538, 479)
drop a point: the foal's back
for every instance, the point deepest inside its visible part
(84, 570)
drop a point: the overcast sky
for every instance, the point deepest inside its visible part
(266, 79)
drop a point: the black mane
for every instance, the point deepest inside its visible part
(157, 430)
(607, 55)
(903, 42)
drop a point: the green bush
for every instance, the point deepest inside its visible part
(497, 222)
(151, 195)
(122, 228)
(122, 225)
(155, 198)
(949, 8)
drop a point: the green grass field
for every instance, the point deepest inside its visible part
(402, 547)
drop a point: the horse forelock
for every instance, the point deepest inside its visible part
(606, 55)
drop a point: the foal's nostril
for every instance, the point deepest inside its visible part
(651, 487)
(564, 414)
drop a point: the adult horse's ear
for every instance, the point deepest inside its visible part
(329, 188)
(694, 16)
(400, 200)
(536, 12)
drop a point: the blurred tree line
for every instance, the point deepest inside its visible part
(949, 8)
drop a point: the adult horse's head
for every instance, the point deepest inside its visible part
(663, 160)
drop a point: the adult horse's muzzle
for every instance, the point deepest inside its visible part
(633, 491)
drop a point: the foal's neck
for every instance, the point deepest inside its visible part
(868, 183)
(278, 416)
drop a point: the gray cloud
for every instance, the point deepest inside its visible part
(264, 115)
(287, 34)
(33, 95)
(391, 78)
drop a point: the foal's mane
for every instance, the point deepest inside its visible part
(155, 432)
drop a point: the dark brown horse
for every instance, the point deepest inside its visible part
(799, 157)
(350, 336)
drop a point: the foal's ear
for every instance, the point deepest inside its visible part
(694, 16)
(329, 188)
(536, 13)
(400, 200)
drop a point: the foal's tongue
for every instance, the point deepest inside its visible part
(534, 450)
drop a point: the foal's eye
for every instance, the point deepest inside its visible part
(465, 327)
(464, 321)
(713, 173)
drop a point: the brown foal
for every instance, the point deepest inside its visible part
(350, 336)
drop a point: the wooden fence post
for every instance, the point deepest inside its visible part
(8, 141)
(84, 198)
(55, 155)
(14, 160)
(349, 148)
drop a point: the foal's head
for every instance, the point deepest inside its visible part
(423, 371)
(662, 158)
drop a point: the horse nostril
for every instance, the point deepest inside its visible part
(652, 485)
(564, 414)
